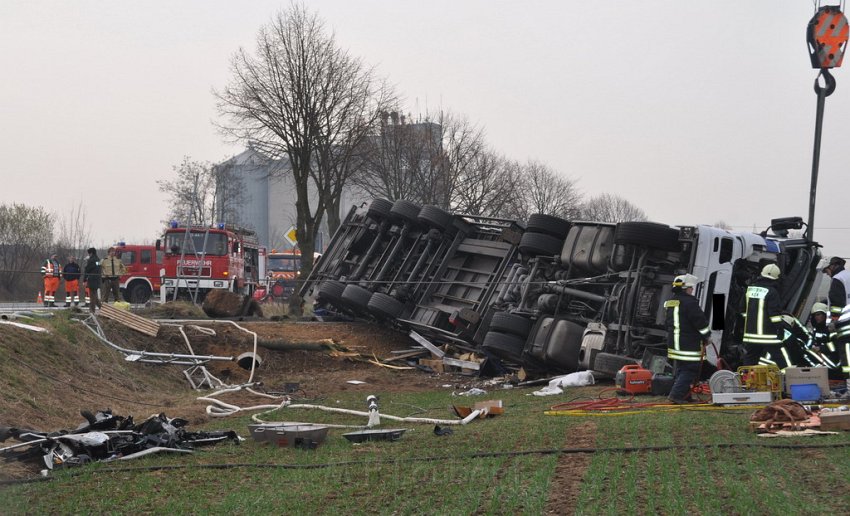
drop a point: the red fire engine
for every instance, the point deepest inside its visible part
(143, 263)
(198, 259)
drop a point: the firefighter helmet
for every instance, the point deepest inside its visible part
(771, 270)
(820, 307)
(685, 281)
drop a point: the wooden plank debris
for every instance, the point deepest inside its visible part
(130, 320)
(427, 344)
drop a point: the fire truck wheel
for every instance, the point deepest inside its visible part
(538, 244)
(502, 345)
(379, 209)
(278, 289)
(552, 226)
(609, 363)
(137, 293)
(383, 306)
(356, 297)
(650, 234)
(331, 292)
(511, 324)
(435, 217)
(405, 211)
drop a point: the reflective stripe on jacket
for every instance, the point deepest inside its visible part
(687, 327)
(762, 313)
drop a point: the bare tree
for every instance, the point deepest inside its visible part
(722, 225)
(611, 208)
(541, 189)
(26, 234)
(74, 230)
(425, 162)
(300, 97)
(197, 192)
(487, 187)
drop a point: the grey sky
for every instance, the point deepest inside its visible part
(695, 111)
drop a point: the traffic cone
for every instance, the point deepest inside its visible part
(39, 299)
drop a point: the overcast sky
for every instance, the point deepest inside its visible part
(697, 112)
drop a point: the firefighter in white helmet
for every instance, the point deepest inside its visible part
(687, 329)
(763, 325)
(823, 341)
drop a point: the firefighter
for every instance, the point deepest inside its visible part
(842, 338)
(839, 288)
(112, 269)
(824, 342)
(51, 271)
(764, 328)
(92, 277)
(687, 330)
(71, 275)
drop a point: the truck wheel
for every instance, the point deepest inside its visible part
(435, 217)
(609, 363)
(383, 306)
(649, 234)
(356, 297)
(511, 324)
(539, 244)
(137, 293)
(405, 211)
(553, 226)
(331, 292)
(278, 290)
(502, 345)
(379, 209)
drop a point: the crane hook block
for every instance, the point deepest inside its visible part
(827, 37)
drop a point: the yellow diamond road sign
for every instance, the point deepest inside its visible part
(290, 236)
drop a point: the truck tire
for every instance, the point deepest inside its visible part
(405, 211)
(356, 297)
(137, 293)
(379, 209)
(502, 345)
(511, 324)
(547, 224)
(540, 244)
(609, 363)
(383, 306)
(331, 292)
(435, 217)
(649, 234)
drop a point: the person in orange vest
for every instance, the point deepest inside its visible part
(51, 271)
(71, 275)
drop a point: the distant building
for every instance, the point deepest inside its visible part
(265, 199)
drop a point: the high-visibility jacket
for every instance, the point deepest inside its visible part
(687, 327)
(762, 313)
(839, 292)
(842, 338)
(51, 268)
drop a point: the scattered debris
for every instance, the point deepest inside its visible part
(487, 408)
(391, 434)
(130, 320)
(475, 391)
(442, 431)
(25, 326)
(105, 437)
(556, 385)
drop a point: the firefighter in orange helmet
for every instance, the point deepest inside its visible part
(51, 271)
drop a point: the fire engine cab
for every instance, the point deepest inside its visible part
(143, 263)
(198, 259)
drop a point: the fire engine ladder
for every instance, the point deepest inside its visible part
(192, 281)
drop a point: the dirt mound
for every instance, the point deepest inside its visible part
(221, 303)
(46, 379)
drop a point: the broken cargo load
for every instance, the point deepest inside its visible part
(550, 294)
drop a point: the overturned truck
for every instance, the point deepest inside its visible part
(549, 294)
